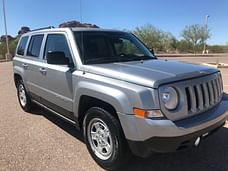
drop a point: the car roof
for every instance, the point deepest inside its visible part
(69, 29)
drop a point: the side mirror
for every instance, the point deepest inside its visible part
(152, 51)
(57, 58)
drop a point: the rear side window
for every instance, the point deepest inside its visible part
(21, 46)
(35, 46)
(57, 42)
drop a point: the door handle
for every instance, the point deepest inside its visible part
(43, 71)
(25, 66)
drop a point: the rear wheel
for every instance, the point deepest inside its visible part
(23, 97)
(104, 139)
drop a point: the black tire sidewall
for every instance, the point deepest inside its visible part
(116, 158)
(28, 104)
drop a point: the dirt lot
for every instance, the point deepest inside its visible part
(41, 141)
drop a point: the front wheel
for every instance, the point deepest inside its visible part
(104, 139)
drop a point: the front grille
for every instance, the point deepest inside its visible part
(204, 95)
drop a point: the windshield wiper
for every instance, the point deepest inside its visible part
(129, 57)
(121, 58)
(100, 60)
(144, 57)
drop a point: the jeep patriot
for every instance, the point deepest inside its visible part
(113, 88)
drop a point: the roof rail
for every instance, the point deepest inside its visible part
(49, 27)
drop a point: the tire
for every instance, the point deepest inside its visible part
(23, 97)
(104, 139)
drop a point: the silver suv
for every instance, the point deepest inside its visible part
(110, 86)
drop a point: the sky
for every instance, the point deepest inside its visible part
(168, 15)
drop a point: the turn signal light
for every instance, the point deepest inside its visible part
(142, 113)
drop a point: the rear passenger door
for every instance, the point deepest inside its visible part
(31, 63)
(56, 80)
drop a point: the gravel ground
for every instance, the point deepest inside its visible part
(41, 141)
(38, 140)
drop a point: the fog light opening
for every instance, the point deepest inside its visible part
(197, 142)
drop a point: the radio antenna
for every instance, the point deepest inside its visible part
(82, 39)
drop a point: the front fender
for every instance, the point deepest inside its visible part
(110, 95)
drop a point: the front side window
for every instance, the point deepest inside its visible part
(22, 45)
(105, 47)
(57, 43)
(35, 46)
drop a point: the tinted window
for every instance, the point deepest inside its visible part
(21, 46)
(57, 42)
(35, 45)
(105, 47)
(94, 45)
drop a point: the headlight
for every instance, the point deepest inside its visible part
(169, 98)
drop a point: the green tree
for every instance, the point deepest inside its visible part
(196, 35)
(154, 37)
(174, 43)
(12, 47)
(218, 48)
(184, 46)
(2, 50)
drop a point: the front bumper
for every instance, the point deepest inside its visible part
(146, 136)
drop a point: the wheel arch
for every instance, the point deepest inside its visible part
(17, 77)
(86, 102)
(93, 95)
(19, 73)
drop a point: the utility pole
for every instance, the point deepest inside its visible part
(6, 34)
(206, 29)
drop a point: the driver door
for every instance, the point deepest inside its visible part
(56, 80)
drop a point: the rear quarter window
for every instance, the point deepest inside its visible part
(22, 45)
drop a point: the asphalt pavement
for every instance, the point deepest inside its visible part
(41, 141)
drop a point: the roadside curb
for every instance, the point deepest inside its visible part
(1, 61)
(214, 65)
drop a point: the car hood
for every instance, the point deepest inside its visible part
(150, 73)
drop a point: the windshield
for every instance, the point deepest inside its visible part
(105, 46)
